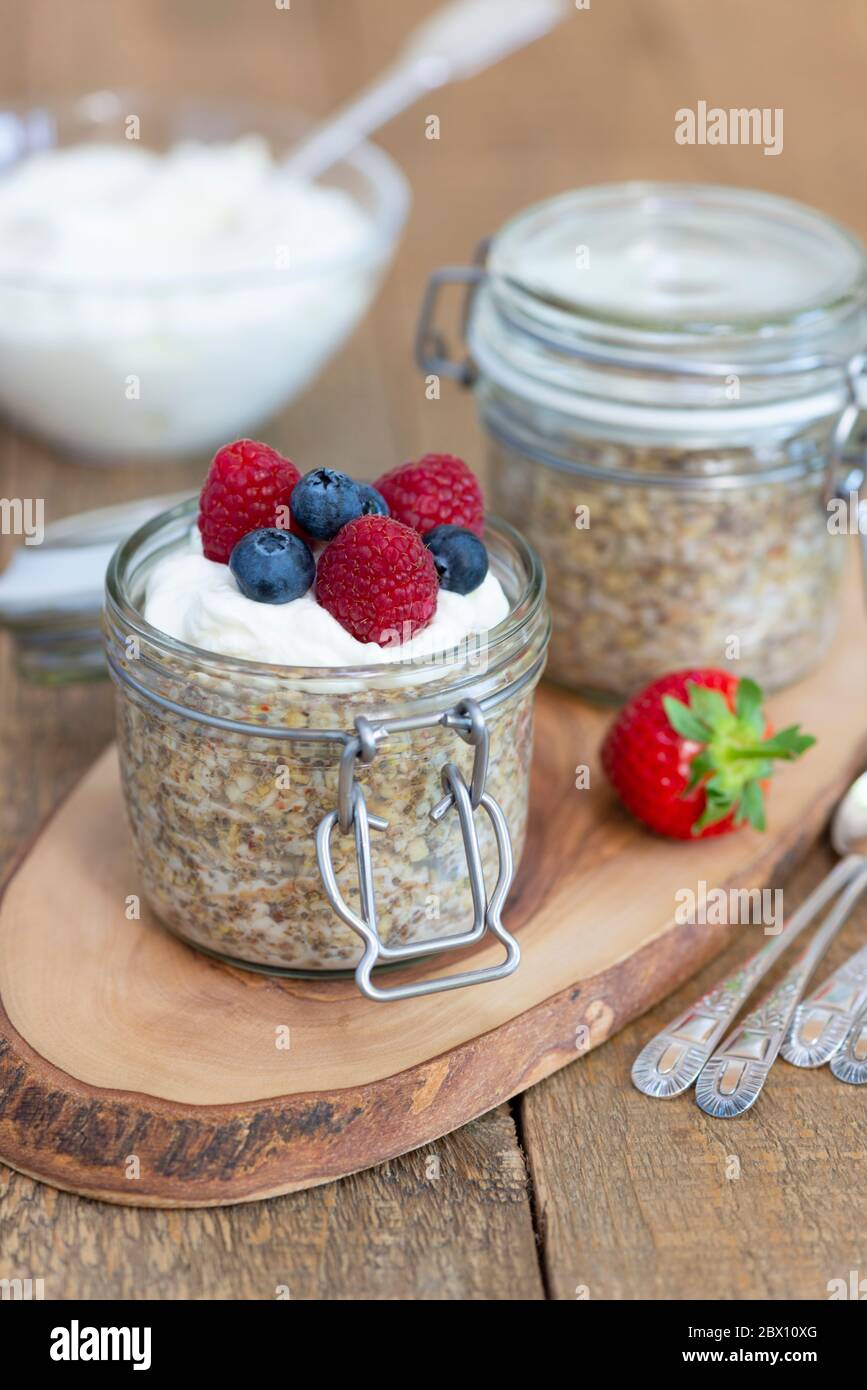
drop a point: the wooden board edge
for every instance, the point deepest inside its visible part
(81, 1138)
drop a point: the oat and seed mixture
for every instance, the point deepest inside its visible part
(224, 825)
(665, 577)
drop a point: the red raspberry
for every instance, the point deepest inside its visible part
(438, 490)
(246, 485)
(379, 580)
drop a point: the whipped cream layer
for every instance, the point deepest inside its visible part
(103, 210)
(197, 601)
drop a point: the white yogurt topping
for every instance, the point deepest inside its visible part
(121, 210)
(198, 602)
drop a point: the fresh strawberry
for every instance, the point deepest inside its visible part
(691, 753)
(248, 487)
(437, 490)
(378, 579)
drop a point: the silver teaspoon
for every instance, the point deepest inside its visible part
(850, 1063)
(821, 1024)
(734, 1078)
(669, 1064)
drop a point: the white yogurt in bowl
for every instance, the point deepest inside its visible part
(155, 302)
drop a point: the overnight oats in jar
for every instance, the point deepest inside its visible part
(288, 721)
(667, 375)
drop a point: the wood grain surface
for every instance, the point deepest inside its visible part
(668, 1203)
(139, 1071)
(625, 1198)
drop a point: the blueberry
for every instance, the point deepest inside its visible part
(324, 500)
(372, 502)
(272, 566)
(460, 557)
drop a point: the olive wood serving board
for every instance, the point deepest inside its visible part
(135, 1070)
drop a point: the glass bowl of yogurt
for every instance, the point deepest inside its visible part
(271, 803)
(163, 286)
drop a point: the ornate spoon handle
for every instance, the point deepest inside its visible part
(669, 1064)
(821, 1024)
(850, 1063)
(734, 1077)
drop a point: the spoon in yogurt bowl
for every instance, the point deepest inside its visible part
(675, 1058)
(458, 41)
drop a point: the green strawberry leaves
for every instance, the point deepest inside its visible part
(734, 757)
(788, 743)
(748, 705)
(684, 721)
(752, 806)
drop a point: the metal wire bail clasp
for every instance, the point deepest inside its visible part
(468, 720)
(840, 482)
(431, 350)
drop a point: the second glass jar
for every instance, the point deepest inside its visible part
(665, 375)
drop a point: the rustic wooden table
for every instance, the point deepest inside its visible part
(581, 1186)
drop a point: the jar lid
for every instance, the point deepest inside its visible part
(680, 258)
(643, 295)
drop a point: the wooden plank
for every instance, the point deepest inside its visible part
(644, 1199)
(390, 1234)
(451, 1221)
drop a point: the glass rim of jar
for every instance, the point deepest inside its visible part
(527, 615)
(752, 328)
(837, 468)
(646, 374)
